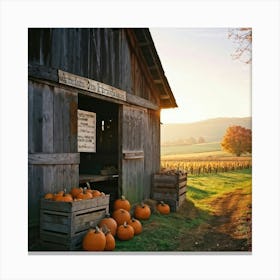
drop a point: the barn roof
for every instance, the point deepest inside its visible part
(148, 50)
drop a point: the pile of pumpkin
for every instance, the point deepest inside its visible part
(121, 225)
(75, 194)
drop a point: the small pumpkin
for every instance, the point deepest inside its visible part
(125, 232)
(142, 211)
(75, 191)
(137, 226)
(122, 203)
(110, 240)
(84, 194)
(121, 216)
(66, 197)
(48, 196)
(95, 193)
(57, 195)
(94, 240)
(110, 223)
(163, 208)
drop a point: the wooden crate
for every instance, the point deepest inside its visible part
(64, 224)
(171, 188)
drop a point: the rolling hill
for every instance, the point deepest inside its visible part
(211, 130)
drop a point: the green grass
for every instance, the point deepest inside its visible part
(160, 233)
(166, 233)
(203, 189)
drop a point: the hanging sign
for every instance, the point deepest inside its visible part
(86, 131)
(90, 85)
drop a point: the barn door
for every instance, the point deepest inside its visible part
(133, 128)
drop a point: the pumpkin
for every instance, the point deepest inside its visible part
(110, 240)
(48, 196)
(125, 232)
(142, 211)
(65, 197)
(122, 203)
(75, 191)
(94, 240)
(95, 193)
(110, 223)
(57, 195)
(121, 216)
(137, 226)
(163, 208)
(85, 194)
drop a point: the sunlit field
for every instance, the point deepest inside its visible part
(202, 159)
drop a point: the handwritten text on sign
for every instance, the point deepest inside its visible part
(90, 85)
(86, 131)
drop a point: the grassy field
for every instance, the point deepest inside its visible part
(204, 151)
(211, 219)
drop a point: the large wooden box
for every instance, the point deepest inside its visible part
(64, 224)
(171, 188)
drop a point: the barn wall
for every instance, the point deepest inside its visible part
(53, 161)
(101, 54)
(152, 150)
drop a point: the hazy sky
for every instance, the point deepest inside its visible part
(205, 80)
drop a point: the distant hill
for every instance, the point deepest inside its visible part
(211, 130)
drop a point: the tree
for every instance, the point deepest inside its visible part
(242, 37)
(237, 140)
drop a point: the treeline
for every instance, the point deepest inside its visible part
(187, 141)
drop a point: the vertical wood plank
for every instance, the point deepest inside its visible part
(30, 116)
(47, 119)
(37, 118)
(58, 121)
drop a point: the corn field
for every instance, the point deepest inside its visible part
(197, 167)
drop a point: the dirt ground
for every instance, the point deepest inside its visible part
(227, 229)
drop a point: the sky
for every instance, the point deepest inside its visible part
(205, 80)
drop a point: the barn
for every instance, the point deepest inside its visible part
(94, 101)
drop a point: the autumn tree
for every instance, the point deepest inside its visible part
(237, 140)
(242, 38)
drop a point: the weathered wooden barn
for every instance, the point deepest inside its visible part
(94, 101)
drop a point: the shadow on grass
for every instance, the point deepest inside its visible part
(197, 193)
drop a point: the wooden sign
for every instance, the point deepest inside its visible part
(90, 85)
(86, 131)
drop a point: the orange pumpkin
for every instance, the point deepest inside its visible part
(125, 232)
(57, 195)
(85, 194)
(75, 191)
(95, 193)
(137, 226)
(142, 211)
(121, 216)
(65, 197)
(48, 196)
(94, 240)
(163, 208)
(110, 240)
(122, 203)
(110, 223)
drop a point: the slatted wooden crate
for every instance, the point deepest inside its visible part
(171, 188)
(64, 224)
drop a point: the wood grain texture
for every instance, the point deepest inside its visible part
(102, 54)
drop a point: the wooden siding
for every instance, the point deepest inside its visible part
(102, 54)
(152, 150)
(53, 162)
